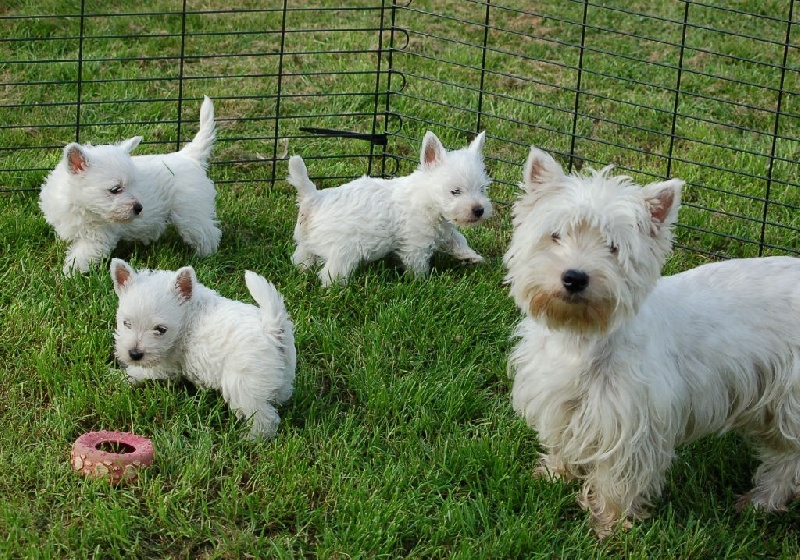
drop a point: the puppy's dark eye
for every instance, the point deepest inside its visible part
(613, 248)
(555, 236)
(126, 324)
(455, 192)
(116, 189)
(161, 329)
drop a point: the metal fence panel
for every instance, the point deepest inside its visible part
(705, 90)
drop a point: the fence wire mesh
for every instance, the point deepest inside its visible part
(705, 91)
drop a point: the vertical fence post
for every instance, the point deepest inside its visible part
(573, 138)
(80, 73)
(483, 64)
(278, 95)
(776, 130)
(377, 87)
(389, 71)
(180, 76)
(676, 101)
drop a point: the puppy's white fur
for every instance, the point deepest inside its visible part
(98, 195)
(412, 216)
(170, 326)
(616, 368)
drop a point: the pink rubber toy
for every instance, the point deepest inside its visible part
(117, 456)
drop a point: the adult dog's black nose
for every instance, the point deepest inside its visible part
(477, 211)
(137, 208)
(574, 281)
(135, 354)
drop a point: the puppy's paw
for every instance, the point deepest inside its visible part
(473, 259)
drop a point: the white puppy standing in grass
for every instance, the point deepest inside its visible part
(412, 216)
(616, 366)
(98, 195)
(169, 326)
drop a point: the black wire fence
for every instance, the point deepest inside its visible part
(706, 91)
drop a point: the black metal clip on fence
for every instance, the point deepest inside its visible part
(376, 139)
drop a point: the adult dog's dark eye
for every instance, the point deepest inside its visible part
(116, 189)
(555, 237)
(126, 324)
(455, 192)
(161, 329)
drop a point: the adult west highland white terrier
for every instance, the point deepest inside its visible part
(170, 326)
(616, 366)
(98, 195)
(412, 216)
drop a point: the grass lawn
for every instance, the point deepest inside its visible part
(400, 440)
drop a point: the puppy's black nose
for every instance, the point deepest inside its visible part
(137, 208)
(135, 354)
(574, 281)
(477, 211)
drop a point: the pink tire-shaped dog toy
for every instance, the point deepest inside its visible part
(117, 456)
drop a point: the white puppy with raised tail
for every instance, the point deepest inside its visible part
(616, 366)
(170, 326)
(412, 216)
(98, 195)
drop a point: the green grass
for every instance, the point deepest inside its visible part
(400, 440)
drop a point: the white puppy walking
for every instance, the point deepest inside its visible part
(170, 326)
(98, 195)
(412, 216)
(616, 366)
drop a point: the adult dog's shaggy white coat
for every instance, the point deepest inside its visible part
(616, 366)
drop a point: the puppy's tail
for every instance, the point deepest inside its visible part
(298, 178)
(199, 148)
(270, 301)
(277, 324)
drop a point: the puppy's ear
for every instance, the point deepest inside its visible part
(185, 282)
(663, 199)
(477, 144)
(432, 153)
(540, 169)
(75, 158)
(129, 144)
(122, 275)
